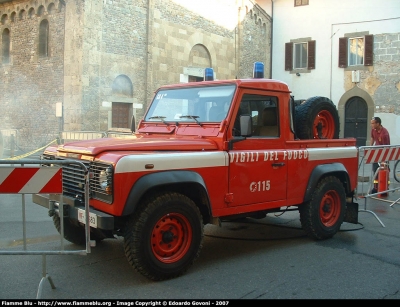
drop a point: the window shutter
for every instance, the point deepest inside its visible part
(368, 50)
(288, 56)
(343, 52)
(311, 55)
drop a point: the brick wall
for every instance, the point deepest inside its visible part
(31, 85)
(383, 83)
(94, 43)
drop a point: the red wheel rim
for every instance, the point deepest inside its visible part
(329, 209)
(325, 123)
(171, 238)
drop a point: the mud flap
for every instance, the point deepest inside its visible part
(351, 214)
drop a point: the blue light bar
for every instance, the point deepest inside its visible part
(208, 74)
(258, 70)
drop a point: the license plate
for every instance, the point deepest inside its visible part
(92, 218)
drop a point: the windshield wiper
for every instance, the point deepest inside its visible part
(159, 117)
(162, 119)
(194, 117)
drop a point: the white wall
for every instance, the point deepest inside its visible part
(325, 21)
(266, 5)
(322, 20)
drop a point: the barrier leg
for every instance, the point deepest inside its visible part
(373, 213)
(394, 202)
(44, 277)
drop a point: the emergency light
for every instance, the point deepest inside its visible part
(208, 74)
(258, 70)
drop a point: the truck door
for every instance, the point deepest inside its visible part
(257, 165)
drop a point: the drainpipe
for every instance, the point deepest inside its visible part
(62, 118)
(149, 43)
(272, 38)
(238, 41)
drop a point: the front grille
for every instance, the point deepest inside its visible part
(74, 179)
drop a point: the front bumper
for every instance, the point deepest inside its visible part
(75, 212)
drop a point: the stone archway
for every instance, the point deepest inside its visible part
(199, 58)
(362, 99)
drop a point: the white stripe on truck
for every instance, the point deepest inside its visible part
(185, 160)
(315, 154)
(171, 160)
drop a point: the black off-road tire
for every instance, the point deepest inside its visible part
(317, 118)
(74, 232)
(322, 216)
(164, 237)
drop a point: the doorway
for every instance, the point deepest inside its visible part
(121, 115)
(356, 123)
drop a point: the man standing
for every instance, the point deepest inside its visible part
(379, 136)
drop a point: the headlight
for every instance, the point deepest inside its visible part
(101, 181)
(105, 180)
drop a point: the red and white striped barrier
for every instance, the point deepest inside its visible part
(40, 180)
(29, 180)
(379, 154)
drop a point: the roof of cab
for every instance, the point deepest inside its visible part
(253, 83)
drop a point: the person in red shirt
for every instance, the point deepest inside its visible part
(379, 136)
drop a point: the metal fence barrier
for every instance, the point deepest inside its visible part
(41, 177)
(9, 148)
(67, 136)
(8, 142)
(376, 154)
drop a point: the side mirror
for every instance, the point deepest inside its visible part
(245, 125)
(133, 124)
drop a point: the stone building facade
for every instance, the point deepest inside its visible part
(378, 86)
(73, 65)
(383, 83)
(361, 79)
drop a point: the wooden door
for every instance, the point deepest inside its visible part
(356, 122)
(121, 115)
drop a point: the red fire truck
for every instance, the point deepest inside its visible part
(207, 152)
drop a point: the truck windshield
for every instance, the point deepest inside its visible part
(194, 104)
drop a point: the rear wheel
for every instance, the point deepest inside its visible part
(322, 216)
(317, 118)
(396, 171)
(164, 237)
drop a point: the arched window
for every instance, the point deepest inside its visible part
(51, 8)
(44, 38)
(22, 14)
(40, 10)
(31, 12)
(6, 46)
(4, 19)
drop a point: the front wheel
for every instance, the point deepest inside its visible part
(396, 171)
(164, 237)
(322, 216)
(74, 232)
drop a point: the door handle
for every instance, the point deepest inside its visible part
(278, 164)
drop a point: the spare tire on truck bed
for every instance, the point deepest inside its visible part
(317, 118)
